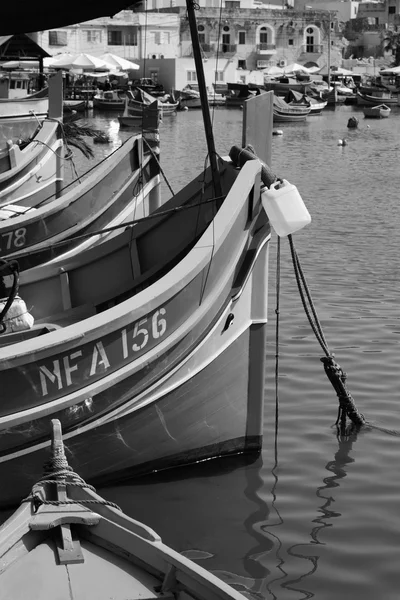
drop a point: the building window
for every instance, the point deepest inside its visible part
(263, 35)
(291, 42)
(93, 36)
(392, 10)
(219, 76)
(131, 38)
(115, 38)
(191, 76)
(57, 38)
(242, 38)
(241, 64)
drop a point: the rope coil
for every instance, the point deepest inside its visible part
(57, 471)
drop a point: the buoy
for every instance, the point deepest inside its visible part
(185, 108)
(342, 142)
(277, 132)
(352, 123)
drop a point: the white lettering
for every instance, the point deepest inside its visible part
(52, 376)
(139, 330)
(68, 368)
(124, 344)
(98, 351)
(158, 326)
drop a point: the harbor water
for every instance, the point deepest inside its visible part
(316, 515)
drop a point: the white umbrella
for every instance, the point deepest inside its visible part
(51, 59)
(273, 71)
(117, 61)
(387, 71)
(81, 61)
(295, 67)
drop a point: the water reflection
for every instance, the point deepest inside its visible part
(301, 551)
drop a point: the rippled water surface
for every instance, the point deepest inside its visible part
(316, 516)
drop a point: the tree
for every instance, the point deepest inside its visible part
(391, 43)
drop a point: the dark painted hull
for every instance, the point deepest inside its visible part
(208, 416)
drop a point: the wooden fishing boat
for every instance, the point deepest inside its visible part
(293, 98)
(31, 173)
(378, 98)
(189, 97)
(150, 347)
(74, 105)
(23, 109)
(179, 357)
(70, 542)
(140, 100)
(109, 100)
(380, 111)
(281, 85)
(34, 234)
(284, 112)
(238, 93)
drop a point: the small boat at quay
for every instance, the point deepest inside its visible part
(378, 98)
(293, 98)
(149, 347)
(70, 543)
(138, 99)
(380, 111)
(109, 100)
(285, 113)
(23, 109)
(237, 93)
(189, 97)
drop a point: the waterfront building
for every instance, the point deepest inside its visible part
(239, 41)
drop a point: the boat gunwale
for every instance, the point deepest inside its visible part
(74, 194)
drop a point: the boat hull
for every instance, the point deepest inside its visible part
(376, 112)
(172, 375)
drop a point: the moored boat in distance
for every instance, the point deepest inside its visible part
(384, 97)
(285, 113)
(379, 111)
(109, 100)
(69, 541)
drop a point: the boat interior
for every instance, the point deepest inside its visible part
(65, 292)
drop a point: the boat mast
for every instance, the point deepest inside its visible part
(203, 97)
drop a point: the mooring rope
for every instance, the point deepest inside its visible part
(56, 471)
(333, 370)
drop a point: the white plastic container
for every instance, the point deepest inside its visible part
(285, 208)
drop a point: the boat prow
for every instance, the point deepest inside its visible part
(67, 538)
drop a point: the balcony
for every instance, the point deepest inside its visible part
(228, 48)
(314, 49)
(206, 47)
(264, 49)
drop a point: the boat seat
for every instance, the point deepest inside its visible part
(14, 210)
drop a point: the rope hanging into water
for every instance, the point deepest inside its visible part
(333, 370)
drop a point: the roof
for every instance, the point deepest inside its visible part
(47, 14)
(19, 46)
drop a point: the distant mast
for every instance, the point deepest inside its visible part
(204, 98)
